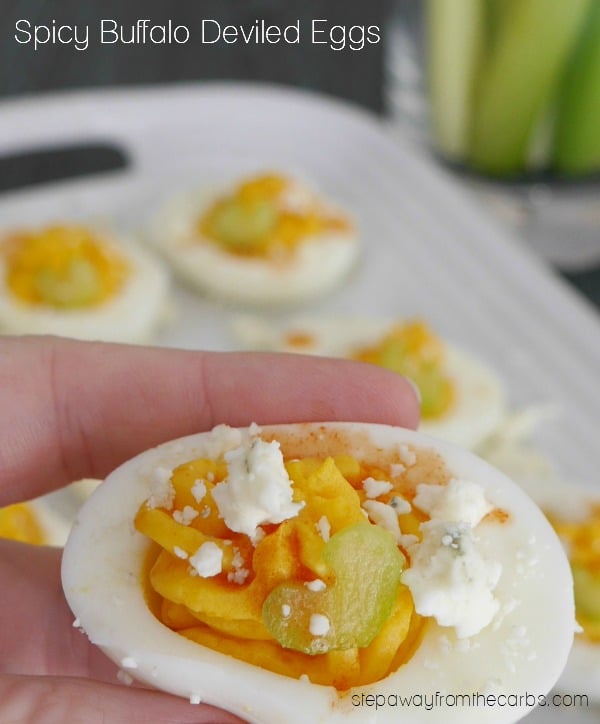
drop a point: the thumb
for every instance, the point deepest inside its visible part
(55, 700)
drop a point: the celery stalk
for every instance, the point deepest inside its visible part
(454, 42)
(518, 79)
(495, 10)
(577, 139)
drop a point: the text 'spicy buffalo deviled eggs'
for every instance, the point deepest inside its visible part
(76, 281)
(268, 239)
(304, 572)
(462, 400)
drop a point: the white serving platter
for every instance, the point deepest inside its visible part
(430, 250)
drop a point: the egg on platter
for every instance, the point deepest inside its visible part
(574, 512)
(462, 400)
(324, 572)
(267, 240)
(78, 281)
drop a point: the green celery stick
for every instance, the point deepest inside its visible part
(494, 14)
(577, 139)
(455, 36)
(519, 78)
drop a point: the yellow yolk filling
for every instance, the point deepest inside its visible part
(19, 522)
(65, 267)
(413, 350)
(225, 611)
(259, 219)
(582, 541)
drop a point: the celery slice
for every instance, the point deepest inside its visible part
(577, 139)
(519, 78)
(455, 41)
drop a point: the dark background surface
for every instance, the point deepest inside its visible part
(357, 76)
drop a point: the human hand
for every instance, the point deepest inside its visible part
(71, 410)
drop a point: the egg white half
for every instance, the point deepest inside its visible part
(571, 502)
(314, 267)
(132, 315)
(522, 651)
(479, 403)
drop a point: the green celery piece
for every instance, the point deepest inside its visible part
(241, 226)
(495, 11)
(367, 565)
(518, 80)
(587, 593)
(455, 42)
(577, 139)
(79, 287)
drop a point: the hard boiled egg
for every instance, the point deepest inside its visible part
(462, 399)
(574, 512)
(268, 239)
(75, 281)
(324, 572)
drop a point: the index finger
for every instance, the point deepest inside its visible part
(71, 410)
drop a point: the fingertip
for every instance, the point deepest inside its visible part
(82, 700)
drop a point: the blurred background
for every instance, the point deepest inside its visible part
(426, 79)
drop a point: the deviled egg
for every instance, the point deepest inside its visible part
(462, 399)
(267, 239)
(75, 281)
(324, 572)
(574, 512)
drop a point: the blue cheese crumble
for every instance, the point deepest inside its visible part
(448, 577)
(257, 489)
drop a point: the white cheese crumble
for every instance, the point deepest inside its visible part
(316, 585)
(408, 540)
(239, 573)
(185, 516)
(286, 610)
(400, 504)
(220, 440)
(407, 456)
(324, 528)
(180, 553)
(319, 624)
(129, 663)
(254, 429)
(374, 488)
(162, 492)
(383, 515)
(199, 490)
(257, 488)
(238, 576)
(207, 561)
(459, 500)
(195, 699)
(124, 677)
(449, 579)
